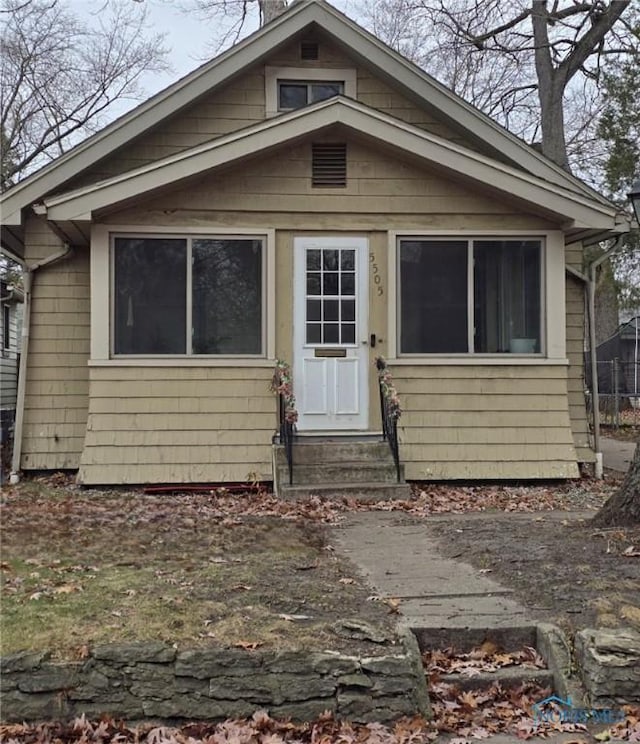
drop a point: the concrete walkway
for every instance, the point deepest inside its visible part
(398, 558)
(617, 455)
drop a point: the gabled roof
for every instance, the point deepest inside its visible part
(573, 210)
(360, 44)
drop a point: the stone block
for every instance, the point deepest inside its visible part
(132, 653)
(609, 662)
(334, 663)
(51, 678)
(260, 688)
(22, 661)
(19, 706)
(393, 665)
(295, 687)
(212, 663)
(304, 710)
(355, 680)
(393, 685)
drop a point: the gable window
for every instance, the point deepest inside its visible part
(459, 296)
(291, 88)
(296, 94)
(188, 295)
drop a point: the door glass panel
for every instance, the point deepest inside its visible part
(330, 260)
(314, 331)
(348, 310)
(313, 284)
(313, 260)
(313, 309)
(330, 283)
(331, 310)
(331, 333)
(348, 284)
(347, 260)
(348, 333)
(331, 296)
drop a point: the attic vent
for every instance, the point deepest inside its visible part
(309, 50)
(329, 164)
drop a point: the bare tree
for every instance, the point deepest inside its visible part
(60, 75)
(523, 62)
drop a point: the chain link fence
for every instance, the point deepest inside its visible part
(619, 392)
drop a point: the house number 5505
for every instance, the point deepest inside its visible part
(377, 279)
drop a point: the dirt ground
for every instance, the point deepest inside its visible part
(560, 567)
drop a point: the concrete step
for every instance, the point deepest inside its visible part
(374, 491)
(309, 452)
(508, 677)
(339, 472)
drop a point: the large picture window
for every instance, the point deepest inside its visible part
(460, 296)
(188, 295)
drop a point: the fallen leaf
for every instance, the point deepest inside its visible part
(248, 645)
(631, 552)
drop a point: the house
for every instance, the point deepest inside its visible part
(309, 195)
(10, 304)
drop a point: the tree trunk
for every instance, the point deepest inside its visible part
(270, 9)
(623, 508)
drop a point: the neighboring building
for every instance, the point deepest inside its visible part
(308, 195)
(10, 327)
(619, 362)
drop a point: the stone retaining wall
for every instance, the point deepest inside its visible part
(153, 680)
(609, 661)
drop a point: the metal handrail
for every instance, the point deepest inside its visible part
(282, 384)
(390, 411)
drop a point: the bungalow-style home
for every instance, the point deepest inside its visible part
(11, 306)
(310, 196)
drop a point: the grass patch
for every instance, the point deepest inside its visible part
(89, 567)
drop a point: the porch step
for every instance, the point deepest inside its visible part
(309, 451)
(359, 471)
(362, 491)
(362, 469)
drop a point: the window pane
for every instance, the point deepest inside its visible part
(348, 310)
(507, 296)
(348, 333)
(313, 259)
(322, 91)
(227, 296)
(313, 309)
(150, 288)
(331, 310)
(292, 95)
(313, 284)
(433, 297)
(314, 332)
(330, 260)
(331, 331)
(347, 260)
(330, 283)
(348, 283)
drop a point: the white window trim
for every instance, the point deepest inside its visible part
(272, 75)
(553, 333)
(101, 282)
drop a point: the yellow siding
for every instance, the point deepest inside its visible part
(241, 103)
(178, 425)
(575, 355)
(378, 183)
(485, 422)
(56, 397)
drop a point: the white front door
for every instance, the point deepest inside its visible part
(330, 351)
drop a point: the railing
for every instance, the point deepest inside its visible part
(282, 385)
(390, 410)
